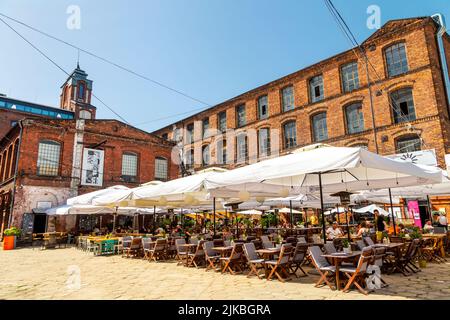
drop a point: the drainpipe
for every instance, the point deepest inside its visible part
(439, 19)
(16, 169)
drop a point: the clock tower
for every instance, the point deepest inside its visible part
(76, 95)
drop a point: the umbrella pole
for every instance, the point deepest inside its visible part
(348, 227)
(214, 216)
(114, 220)
(292, 220)
(430, 209)
(392, 211)
(321, 209)
(154, 219)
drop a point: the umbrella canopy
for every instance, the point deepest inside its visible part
(250, 212)
(340, 168)
(90, 209)
(88, 197)
(288, 210)
(335, 210)
(371, 208)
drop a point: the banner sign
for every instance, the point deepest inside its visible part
(426, 157)
(92, 169)
(414, 213)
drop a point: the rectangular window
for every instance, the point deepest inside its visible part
(189, 161)
(241, 148)
(396, 60)
(165, 136)
(177, 135)
(349, 75)
(355, 118)
(161, 169)
(290, 135)
(240, 116)
(129, 165)
(48, 158)
(320, 127)
(408, 145)
(222, 152)
(263, 109)
(190, 133)
(205, 155)
(316, 88)
(403, 105)
(222, 121)
(205, 128)
(264, 142)
(287, 98)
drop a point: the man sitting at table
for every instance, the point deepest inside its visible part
(334, 231)
(428, 227)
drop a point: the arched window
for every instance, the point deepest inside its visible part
(161, 169)
(264, 142)
(354, 118)
(241, 147)
(403, 105)
(222, 151)
(396, 61)
(290, 134)
(319, 123)
(81, 90)
(85, 114)
(408, 144)
(205, 155)
(129, 166)
(49, 154)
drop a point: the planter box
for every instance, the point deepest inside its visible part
(9, 242)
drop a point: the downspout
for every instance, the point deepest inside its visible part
(16, 169)
(439, 19)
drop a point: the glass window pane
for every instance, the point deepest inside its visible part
(129, 164)
(263, 109)
(240, 115)
(222, 121)
(290, 135)
(355, 118)
(408, 145)
(48, 158)
(205, 155)
(205, 127)
(241, 147)
(190, 133)
(396, 60)
(316, 88)
(161, 169)
(320, 127)
(222, 152)
(264, 142)
(288, 98)
(403, 105)
(349, 74)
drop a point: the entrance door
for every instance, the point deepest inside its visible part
(423, 210)
(40, 223)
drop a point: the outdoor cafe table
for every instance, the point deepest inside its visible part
(394, 247)
(267, 254)
(440, 241)
(223, 250)
(338, 258)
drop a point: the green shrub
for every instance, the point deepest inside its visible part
(13, 232)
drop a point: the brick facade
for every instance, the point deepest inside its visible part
(423, 77)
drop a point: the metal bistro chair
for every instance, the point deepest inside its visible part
(254, 261)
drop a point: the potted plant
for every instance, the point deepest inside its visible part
(278, 241)
(346, 246)
(10, 236)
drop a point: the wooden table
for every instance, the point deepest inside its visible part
(440, 241)
(267, 254)
(188, 247)
(338, 258)
(223, 251)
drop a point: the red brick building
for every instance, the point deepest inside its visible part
(46, 159)
(329, 102)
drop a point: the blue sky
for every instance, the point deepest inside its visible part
(211, 49)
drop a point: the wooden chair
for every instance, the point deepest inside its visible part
(360, 244)
(198, 256)
(211, 256)
(147, 245)
(255, 263)
(368, 241)
(356, 275)
(134, 249)
(299, 258)
(378, 255)
(329, 248)
(233, 261)
(323, 267)
(281, 266)
(158, 251)
(124, 245)
(181, 250)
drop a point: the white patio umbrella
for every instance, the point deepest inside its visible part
(250, 212)
(288, 210)
(326, 169)
(334, 210)
(371, 208)
(91, 210)
(88, 197)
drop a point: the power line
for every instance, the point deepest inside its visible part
(109, 61)
(58, 66)
(355, 44)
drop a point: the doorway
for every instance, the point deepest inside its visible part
(40, 223)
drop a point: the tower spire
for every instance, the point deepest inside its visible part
(78, 60)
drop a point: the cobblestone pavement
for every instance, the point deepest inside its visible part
(35, 274)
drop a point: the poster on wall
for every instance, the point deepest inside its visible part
(92, 169)
(414, 213)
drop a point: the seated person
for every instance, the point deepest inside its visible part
(334, 231)
(391, 228)
(428, 227)
(363, 230)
